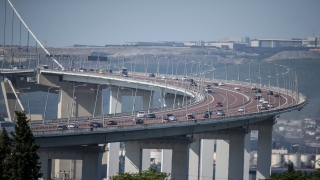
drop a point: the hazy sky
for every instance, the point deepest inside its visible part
(100, 22)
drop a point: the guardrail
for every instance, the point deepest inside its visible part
(169, 124)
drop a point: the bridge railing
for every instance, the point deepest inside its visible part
(231, 118)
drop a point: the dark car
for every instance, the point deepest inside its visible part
(257, 97)
(95, 124)
(208, 112)
(151, 115)
(112, 123)
(138, 121)
(206, 115)
(258, 90)
(277, 95)
(219, 104)
(215, 84)
(62, 127)
(270, 93)
(152, 75)
(192, 83)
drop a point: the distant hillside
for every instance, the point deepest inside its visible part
(295, 55)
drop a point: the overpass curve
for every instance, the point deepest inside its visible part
(47, 136)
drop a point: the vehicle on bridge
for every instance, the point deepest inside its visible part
(141, 114)
(112, 122)
(151, 115)
(219, 104)
(72, 125)
(190, 116)
(270, 93)
(237, 88)
(221, 84)
(62, 127)
(138, 121)
(170, 117)
(152, 75)
(101, 71)
(220, 112)
(241, 109)
(124, 72)
(95, 124)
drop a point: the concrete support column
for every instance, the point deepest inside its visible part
(83, 103)
(115, 105)
(46, 165)
(264, 151)
(113, 159)
(11, 101)
(145, 159)
(194, 160)
(133, 160)
(230, 158)
(206, 159)
(146, 100)
(166, 161)
(247, 150)
(91, 166)
(180, 161)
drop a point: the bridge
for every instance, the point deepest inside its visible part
(187, 142)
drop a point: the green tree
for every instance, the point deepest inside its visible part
(150, 174)
(23, 161)
(5, 150)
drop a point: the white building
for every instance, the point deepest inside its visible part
(276, 43)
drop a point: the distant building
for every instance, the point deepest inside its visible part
(225, 45)
(276, 43)
(236, 40)
(311, 42)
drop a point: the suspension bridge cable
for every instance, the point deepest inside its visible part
(29, 30)
(5, 22)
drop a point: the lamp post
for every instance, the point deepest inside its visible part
(134, 103)
(269, 88)
(74, 89)
(225, 66)
(95, 103)
(102, 103)
(45, 107)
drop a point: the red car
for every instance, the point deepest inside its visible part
(219, 104)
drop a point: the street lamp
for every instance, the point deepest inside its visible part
(102, 103)
(95, 102)
(45, 107)
(74, 89)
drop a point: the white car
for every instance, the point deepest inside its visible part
(221, 84)
(163, 77)
(174, 78)
(241, 109)
(270, 105)
(184, 78)
(261, 100)
(265, 102)
(237, 88)
(141, 114)
(172, 118)
(73, 125)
